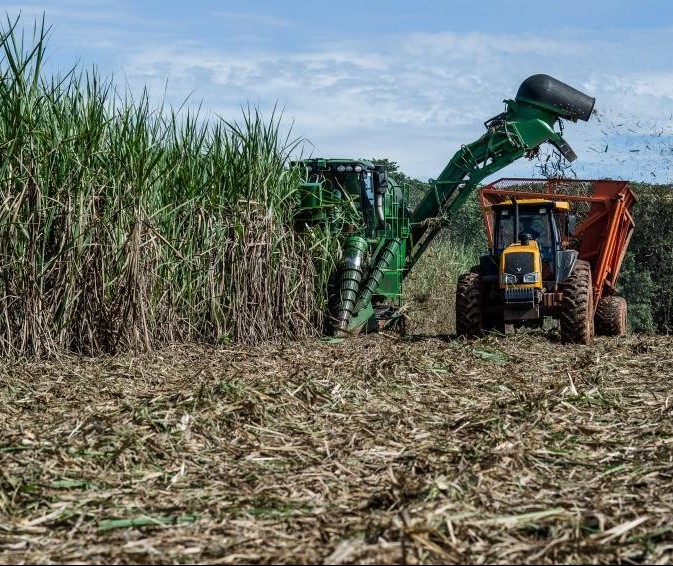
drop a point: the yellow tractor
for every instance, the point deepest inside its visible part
(542, 263)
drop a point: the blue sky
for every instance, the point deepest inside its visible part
(410, 81)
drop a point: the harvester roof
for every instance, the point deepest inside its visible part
(339, 165)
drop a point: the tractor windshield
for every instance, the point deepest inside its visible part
(534, 222)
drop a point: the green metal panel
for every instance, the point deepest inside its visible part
(313, 207)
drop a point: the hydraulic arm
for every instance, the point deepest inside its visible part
(527, 122)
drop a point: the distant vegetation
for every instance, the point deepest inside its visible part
(647, 273)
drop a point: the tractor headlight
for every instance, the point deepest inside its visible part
(508, 279)
(531, 277)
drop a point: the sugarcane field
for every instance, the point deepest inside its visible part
(220, 344)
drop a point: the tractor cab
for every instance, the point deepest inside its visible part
(529, 256)
(542, 263)
(534, 226)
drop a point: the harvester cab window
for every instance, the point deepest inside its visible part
(332, 184)
(369, 186)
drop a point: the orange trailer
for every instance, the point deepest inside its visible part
(604, 220)
(568, 271)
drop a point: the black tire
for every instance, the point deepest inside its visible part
(577, 316)
(611, 316)
(468, 305)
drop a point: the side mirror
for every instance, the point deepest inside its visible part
(572, 223)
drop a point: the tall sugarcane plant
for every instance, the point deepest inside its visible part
(124, 225)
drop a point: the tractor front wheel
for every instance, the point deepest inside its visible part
(611, 314)
(577, 312)
(468, 305)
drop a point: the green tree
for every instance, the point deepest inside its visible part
(417, 188)
(647, 271)
(636, 285)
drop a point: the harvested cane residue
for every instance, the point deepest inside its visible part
(375, 450)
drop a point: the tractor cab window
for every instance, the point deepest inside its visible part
(505, 233)
(561, 221)
(534, 222)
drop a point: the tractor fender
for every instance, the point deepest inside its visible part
(488, 267)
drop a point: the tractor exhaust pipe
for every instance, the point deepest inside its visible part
(515, 204)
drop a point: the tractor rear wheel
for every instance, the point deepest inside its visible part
(611, 315)
(577, 312)
(468, 305)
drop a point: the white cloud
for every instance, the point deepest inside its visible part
(413, 97)
(418, 97)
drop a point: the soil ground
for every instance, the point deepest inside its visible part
(375, 450)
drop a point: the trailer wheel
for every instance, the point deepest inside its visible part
(611, 315)
(468, 305)
(577, 320)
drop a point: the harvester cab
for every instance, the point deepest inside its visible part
(357, 199)
(358, 186)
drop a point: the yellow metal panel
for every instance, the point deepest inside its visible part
(558, 204)
(517, 247)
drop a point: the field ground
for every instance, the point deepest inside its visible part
(426, 450)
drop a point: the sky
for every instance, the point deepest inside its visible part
(407, 81)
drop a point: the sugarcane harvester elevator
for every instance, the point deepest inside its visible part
(383, 238)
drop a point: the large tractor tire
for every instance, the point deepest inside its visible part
(577, 312)
(611, 316)
(468, 305)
